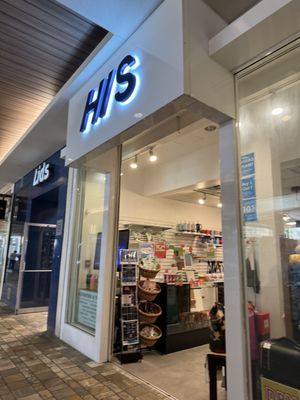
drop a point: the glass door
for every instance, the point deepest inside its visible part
(36, 267)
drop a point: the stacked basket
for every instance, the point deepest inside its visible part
(148, 311)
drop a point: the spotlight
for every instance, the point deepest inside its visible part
(277, 111)
(202, 200)
(152, 156)
(210, 128)
(134, 163)
(220, 205)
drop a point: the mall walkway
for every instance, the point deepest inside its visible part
(34, 366)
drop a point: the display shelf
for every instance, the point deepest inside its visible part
(146, 227)
(208, 259)
(198, 234)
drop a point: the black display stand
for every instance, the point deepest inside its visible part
(175, 300)
(129, 322)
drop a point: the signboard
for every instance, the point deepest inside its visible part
(248, 186)
(135, 80)
(275, 391)
(87, 308)
(160, 250)
(249, 210)
(248, 164)
(124, 91)
(42, 173)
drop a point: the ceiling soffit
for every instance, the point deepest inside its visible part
(231, 9)
(41, 45)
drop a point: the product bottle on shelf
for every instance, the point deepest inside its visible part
(94, 281)
(184, 226)
(193, 227)
(198, 227)
(188, 226)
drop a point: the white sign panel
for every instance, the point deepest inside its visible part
(87, 308)
(143, 76)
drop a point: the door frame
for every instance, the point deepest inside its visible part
(96, 347)
(18, 308)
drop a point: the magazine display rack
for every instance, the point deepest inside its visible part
(130, 351)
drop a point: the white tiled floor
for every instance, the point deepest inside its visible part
(181, 374)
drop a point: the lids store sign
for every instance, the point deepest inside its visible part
(42, 174)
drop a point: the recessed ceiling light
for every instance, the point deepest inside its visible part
(286, 118)
(122, 173)
(277, 111)
(134, 163)
(292, 223)
(220, 205)
(210, 128)
(201, 201)
(138, 115)
(286, 218)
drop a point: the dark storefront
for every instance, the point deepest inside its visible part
(33, 261)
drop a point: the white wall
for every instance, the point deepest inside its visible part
(205, 79)
(135, 208)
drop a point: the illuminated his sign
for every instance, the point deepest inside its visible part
(41, 174)
(99, 100)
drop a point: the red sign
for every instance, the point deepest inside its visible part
(160, 250)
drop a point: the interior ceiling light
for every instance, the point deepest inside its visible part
(152, 156)
(286, 218)
(138, 115)
(292, 223)
(202, 200)
(286, 118)
(210, 128)
(134, 163)
(277, 111)
(220, 205)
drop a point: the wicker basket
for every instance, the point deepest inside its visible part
(149, 273)
(146, 316)
(145, 294)
(150, 341)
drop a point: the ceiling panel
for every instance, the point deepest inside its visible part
(41, 45)
(231, 9)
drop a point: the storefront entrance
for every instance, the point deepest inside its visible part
(35, 239)
(170, 215)
(36, 267)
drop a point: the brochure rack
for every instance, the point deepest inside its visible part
(130, 351)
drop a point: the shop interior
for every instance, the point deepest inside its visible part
(170, 213)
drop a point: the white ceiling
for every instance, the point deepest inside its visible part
(184, 141)
(181, 143)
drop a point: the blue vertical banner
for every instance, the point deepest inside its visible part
(248, 164)
(248, 187)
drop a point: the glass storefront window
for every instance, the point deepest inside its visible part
(85, 262)
(269, 120)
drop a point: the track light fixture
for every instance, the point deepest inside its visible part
(202, 200)
(134, 163)
(152, 156)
